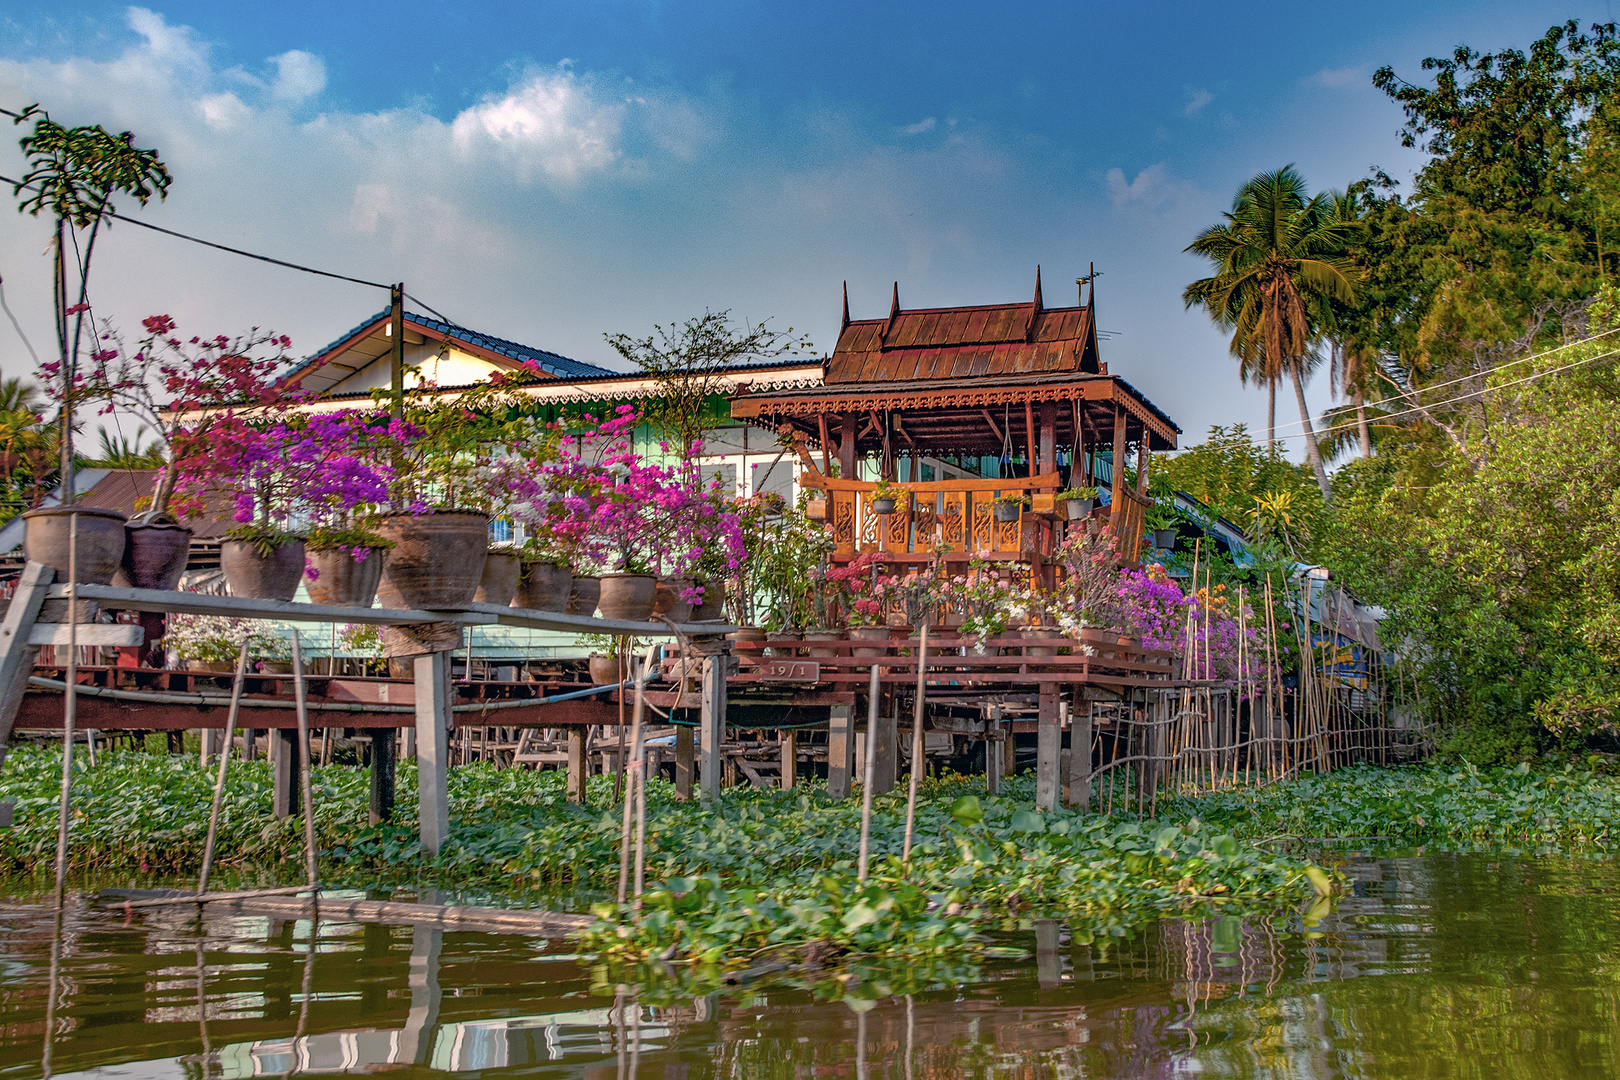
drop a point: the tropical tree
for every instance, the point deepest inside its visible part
(73, 173)
(1278, 257)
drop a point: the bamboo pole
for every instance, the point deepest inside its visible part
(639, 742)
(305, 792)
(917, 745)
(628, 821)
(224, 763)
(869, 773)
(70, 702)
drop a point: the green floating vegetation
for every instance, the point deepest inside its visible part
(1573, 806)
(764, 874)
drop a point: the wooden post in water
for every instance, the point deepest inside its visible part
(873, 699)
(885, 746)
(224, 764)
(70, 695)
(685, 760)
(790, 760)
(712, 723)
(1049, 745)
(576, 765)
(432, 672)
(919, 756)
(1080, 755)
(383, 752)
(307, 800)
(283, 772)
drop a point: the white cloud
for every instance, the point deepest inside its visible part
(1196, 100)
(1340, 78)
(551, 121)
(299, 75)
(1152, 188)
(925, 124)
(222, 112)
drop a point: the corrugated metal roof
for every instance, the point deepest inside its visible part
(554, 364)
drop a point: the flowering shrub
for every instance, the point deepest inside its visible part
(215, 639)
(1216, 636)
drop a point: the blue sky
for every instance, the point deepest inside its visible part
(551, 172)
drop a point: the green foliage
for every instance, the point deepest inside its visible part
(1231, 474)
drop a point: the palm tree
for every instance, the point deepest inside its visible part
(1277, 255)
(126, 453)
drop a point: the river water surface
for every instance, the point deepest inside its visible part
(1436, 966)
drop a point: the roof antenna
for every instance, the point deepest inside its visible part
(1092, 274)
(845, 325)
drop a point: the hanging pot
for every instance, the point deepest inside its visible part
(340, 580)
(1079, 508)
(499, 583)
(582, 597)
(603, 669)
(1164, 538)
(154, 556)
(815, 509)
(437, 560)
(544, 587)
(884, 506)
(713, 607)
(670, 601)
(252, 573)
(628, 597)
(100, 546)
(1008, 511)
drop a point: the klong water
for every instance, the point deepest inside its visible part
(1435, 966)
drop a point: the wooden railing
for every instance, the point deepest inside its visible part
(960, 515)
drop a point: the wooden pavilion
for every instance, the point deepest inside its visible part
(1019, 387)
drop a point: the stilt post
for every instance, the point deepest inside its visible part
(432, 673)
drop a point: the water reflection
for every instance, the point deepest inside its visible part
(1441, 965)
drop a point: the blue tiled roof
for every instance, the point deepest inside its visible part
(553, 363)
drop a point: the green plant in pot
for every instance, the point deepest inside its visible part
(345, 563)
(1008, 506)
(212, 642)
(885, 497)
(1077, 502)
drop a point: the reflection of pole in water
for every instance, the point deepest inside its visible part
(416, 1040)
(1048, 965)
(911, 1028)
(51, 991)
(860, 1017)
(202, 996)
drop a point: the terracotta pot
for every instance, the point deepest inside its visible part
(262, 577)
(100, 546)
(747, 633)
(500, 580)
(341, 581)
(582, 596)
(815, 509)
(437, 560)
(544, 587)
(876, 634)
(781, 644)
(275, 667)
(154, 556)
(668, 601)
(1096, 635)
(1079, 508)
(213, 667)
(627, 596)
(823, 635)
(604, 669)
(1035, 633)
(713, 608)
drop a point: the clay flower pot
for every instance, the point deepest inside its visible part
(213, 667)
(669, 602)
(154, 556)
(500, 580)
(263, 577)
(1035, 633)
(437, 560)
(877, 634)
(341, 581)
(544, 587)
(1078, 508)
(100, 546)
(628, 597)
(713, 607)
(823, 650)
(604, 669)
(582, 597)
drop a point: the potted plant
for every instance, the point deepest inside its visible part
(1010, 505)
(885, 497)
(1077, 501)
(186, 392)
(345, 564)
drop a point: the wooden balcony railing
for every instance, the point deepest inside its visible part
(961, 516)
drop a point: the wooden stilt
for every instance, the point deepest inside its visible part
(886, 750)
(1080, 756)
(685, 760)
(16, 653)
(712, 724)
(1049, 742)
(994, 747)
(873, 698)
(69, 702)
(919, 756)
(576, 765)
(306, 791)
(283, 772)
(840, 750)
(224, 764)
(384, 742)
(790, 760)
(432, 672)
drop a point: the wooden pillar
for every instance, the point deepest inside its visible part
(433, 716)
(577, 771)
(994, 747)
(848, 426)
(16, 654)
(1142, 455)
(1029, 437)
(1079, 788)
(1117, 481)
(712, 725)
(1049, 436)
(790, 760)
(283, 772)
(1049, 744)
(685, 758)
(383, 743)
(840, 750)
(886, 766)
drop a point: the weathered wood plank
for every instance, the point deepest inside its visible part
(244, 607)
(344, 909)
(17, 652)
(112, 635)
